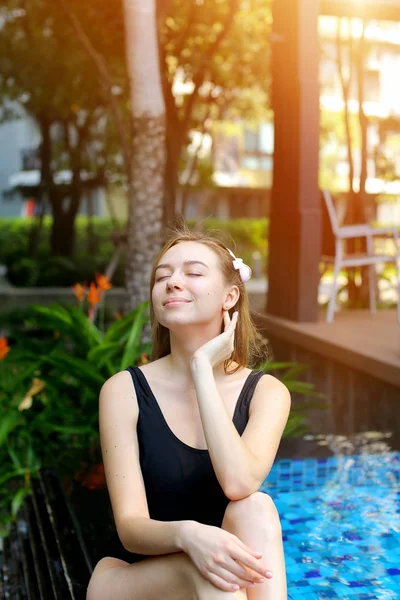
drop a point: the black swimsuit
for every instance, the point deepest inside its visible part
(180, 481)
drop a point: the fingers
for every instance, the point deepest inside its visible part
(242, 569)
(221, 583)
(227, 582)
(243, 576)
(249, 561)
(228, 321)
(236, 574)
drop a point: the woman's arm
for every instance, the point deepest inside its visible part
(148, 536)
(241, 463)
(118, 415)
(230, 457)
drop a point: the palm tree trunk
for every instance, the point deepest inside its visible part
(145, 216)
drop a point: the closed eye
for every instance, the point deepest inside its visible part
(191, 274)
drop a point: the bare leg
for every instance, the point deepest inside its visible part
(163, 577)
(255, 521)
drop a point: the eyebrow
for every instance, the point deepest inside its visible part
(187, 262)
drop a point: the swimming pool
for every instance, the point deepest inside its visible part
(340, 520)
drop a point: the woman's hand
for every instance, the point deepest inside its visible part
(221, 557)
(221, 347)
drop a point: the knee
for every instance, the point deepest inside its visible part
(95, 583)
(108, 562)
(258, 506)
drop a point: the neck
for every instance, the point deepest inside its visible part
(184, 344)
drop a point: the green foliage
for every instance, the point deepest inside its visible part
(250, 235)
(222, 47)
(46, 75)
(43, 66)
(236, 75)
(222, 50)
(49, 388)
(48, 270)
(242, 236)
(289, 373)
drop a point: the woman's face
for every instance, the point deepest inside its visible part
(188, 287)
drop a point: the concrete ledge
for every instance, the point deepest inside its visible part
(24, 297)
(357, 339)
(15, 297)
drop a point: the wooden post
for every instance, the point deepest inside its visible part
(295, 227)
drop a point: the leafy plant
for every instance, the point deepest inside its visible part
(297, 423)
(49, 388)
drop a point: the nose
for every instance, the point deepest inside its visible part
(174, 282)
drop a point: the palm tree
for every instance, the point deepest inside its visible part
(148, 156)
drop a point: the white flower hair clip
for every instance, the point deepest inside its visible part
(244, 270)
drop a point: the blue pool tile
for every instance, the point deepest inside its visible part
(340, 525)
(311, 574)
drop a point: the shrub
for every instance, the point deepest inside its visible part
(46, 270)
(49, 387)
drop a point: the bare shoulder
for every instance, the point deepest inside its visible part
(118, 392)
(268, 391)
(270, 382)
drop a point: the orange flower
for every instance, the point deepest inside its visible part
(143, 359)
(94, 478)
(4, 348)
(94, 295)
(102, 282)
(80, 291)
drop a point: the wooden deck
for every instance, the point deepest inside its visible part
(368, 343)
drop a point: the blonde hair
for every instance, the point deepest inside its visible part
(248, 345)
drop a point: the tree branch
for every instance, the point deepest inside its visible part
(170, 106)
(185, 33)
(105, 80)
(203, 128)
(198, 79)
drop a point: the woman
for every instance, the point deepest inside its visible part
(183, 478)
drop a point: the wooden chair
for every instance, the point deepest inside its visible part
(370, 258)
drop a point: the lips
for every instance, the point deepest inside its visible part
(173, 300)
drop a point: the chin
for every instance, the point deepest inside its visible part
(176, 321)
(179, 323)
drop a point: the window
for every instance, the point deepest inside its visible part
(250, 140)
(30, 159)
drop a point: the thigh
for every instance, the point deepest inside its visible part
(164, 577)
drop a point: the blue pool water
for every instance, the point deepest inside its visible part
(340, 519)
